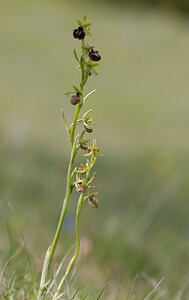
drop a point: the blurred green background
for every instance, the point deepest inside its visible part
(141, 110)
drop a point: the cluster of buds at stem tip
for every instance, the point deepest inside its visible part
(79, 33)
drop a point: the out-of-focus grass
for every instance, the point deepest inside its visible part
(141, 108)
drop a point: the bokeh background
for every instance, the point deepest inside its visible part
(141, 112)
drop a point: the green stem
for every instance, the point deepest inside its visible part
(73, 259)
(51, 249)
(74, 124)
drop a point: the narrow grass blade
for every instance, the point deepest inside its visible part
(22, 235)
(1, 276)
(60, 267)
(68, 289)
(154, 288)
(75, 293)
(102, 292)
(133, 284)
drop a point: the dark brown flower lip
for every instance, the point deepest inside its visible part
(94, 55)
(79, 187)
(79, 33)
(83, 147)
(75, 99)
(93, 201)
(88, 128)
(80, 28)
(75, 33)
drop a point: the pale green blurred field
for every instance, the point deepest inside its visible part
(141, 110)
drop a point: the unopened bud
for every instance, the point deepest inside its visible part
(94, 55)
(93, 202)
(75, 99)
(79, 33)
(80, 187)
(75, 33)
(83, 147)
(87, 127)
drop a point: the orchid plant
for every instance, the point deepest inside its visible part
(79, 177)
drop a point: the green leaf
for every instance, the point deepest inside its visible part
(88, 95)
(85, 54)
(84, 142)
(84, 19)
(75, 54)
(87, 112)
(85, 77)
(76, 89)
(94, 72)
(95, 65)
(91, 179)
(88, 32)
(87, 25)
(79, 22)
(69, 93)
(65, 122)
(82, 61)
(85, 48)
(88, 154)
(81, 136)
(78, 122)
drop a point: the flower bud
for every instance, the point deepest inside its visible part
(83, 147)
(79, 33)
(94, 55)
(93, 201)
(87, 127)
(80, 187)
(75, 99)
(75, 33)
(80, 28)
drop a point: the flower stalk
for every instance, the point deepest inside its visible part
(82, 174)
